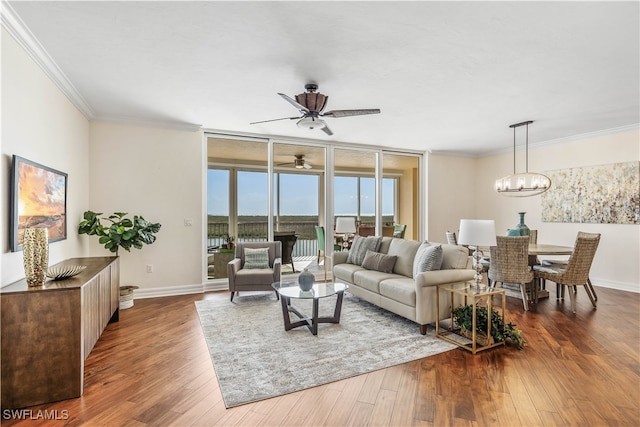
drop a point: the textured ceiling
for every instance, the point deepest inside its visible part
(448, 76)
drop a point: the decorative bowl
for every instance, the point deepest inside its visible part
(64, 271)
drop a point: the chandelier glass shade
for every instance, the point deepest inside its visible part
(523, 184)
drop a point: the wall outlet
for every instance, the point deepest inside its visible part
(149, 268)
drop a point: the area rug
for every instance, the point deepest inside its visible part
(255, 358)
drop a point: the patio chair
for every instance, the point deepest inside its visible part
(288, 239)
(576, 271)
(321, 242)
(509, 263)
(252, 276)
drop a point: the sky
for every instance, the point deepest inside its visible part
(299, 194)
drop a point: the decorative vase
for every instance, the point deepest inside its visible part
(305, 280)
(521, 229)
(35, 252)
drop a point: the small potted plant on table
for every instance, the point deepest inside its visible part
(500, 332)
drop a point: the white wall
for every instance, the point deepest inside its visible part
(156, 173)
(39, 123)
(617, 261)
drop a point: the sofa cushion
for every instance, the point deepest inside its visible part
(370, 279)
(405, 250)
(454, 256)
(345, 272)
(401, 289)
(253, 276)
(256, 258)
(360, 246)
(428, 258)
(384, 244)
(379, 262)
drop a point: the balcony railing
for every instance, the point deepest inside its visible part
(306, 245)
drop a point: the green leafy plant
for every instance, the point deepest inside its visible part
(122, 232)
(500, 332)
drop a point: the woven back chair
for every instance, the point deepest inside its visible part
(451, 238)
(576, 272)
(509, 263)
(533, 236)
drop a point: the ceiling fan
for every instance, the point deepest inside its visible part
(299, 162)
(311, 104)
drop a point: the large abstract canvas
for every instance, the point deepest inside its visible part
(604, 194)
(39, 199)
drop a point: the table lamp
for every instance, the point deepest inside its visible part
(477, 232)
(345, 225)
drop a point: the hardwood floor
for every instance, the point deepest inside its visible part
(153, 368)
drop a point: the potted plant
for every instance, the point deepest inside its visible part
(500, 332)
(122, 232)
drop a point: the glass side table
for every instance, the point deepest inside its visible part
(291, 290)
(476, 298)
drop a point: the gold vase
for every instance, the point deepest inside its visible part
(35, 252)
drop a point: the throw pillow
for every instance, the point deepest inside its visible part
(428, 258)
(256, 258)
(379, 262)
(360, 246)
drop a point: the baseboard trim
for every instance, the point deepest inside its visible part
(198, 288)
(621, 286)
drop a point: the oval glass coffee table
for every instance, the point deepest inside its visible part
(289, 290)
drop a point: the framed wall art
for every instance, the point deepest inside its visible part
(38, 199)
(603, 194)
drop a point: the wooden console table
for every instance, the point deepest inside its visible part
(48, 331)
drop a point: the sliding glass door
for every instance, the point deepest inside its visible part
(244, 203)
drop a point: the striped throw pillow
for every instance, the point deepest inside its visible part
(428, 258)
(360, 247)
(256, 258)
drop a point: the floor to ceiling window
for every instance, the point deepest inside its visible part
(238, 192)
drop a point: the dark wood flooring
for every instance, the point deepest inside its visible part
(153, 368)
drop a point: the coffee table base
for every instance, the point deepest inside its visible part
(310, 322)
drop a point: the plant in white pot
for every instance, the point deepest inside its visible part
(122, 232)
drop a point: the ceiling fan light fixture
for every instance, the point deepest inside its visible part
(523, 184)
(311, 122)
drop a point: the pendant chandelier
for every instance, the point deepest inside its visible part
(522, 184)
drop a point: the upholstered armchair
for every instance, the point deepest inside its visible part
(255, 267)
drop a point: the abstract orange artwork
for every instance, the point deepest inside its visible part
(39, 200)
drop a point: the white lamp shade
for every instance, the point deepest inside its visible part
(477, 232)
(345, 224)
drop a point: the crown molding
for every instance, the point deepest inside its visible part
(573, 138)
(25, 38)
(166, 124)
(588, 135)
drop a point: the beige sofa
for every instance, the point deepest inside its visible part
(399, 292)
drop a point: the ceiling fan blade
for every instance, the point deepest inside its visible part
(275, 120)
(293, 102)
(326, 130)
(349, 113)
(307, 165)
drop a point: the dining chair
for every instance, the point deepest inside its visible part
(451, 238)
(509, 263)
(399, 230)
(576, 271)
(322, 242)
